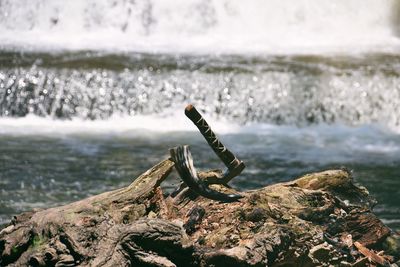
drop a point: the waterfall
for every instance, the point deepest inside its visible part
(201, 26)
(280, 62)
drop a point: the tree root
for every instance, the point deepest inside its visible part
(305, 222)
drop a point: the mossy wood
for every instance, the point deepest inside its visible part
(311, 221)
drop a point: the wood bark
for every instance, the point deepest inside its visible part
(311, 221)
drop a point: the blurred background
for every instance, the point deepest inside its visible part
(92, 93)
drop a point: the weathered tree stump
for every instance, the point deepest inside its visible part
(312, 221)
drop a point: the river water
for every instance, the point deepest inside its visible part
(92, 93)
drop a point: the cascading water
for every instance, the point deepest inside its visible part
(299, 93)
(201, 26)
(230, 66)
(92, 92)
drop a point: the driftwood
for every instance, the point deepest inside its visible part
(320, 219)
(312, 221)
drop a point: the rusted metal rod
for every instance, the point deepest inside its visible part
(234, 165)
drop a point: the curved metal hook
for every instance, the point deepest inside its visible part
(184, 165)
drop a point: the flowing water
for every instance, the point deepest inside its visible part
(92, 93)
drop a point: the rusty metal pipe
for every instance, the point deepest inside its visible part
(234, 165)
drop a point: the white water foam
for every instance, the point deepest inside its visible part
(198, 26)
(361, 139)
(121, 125)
